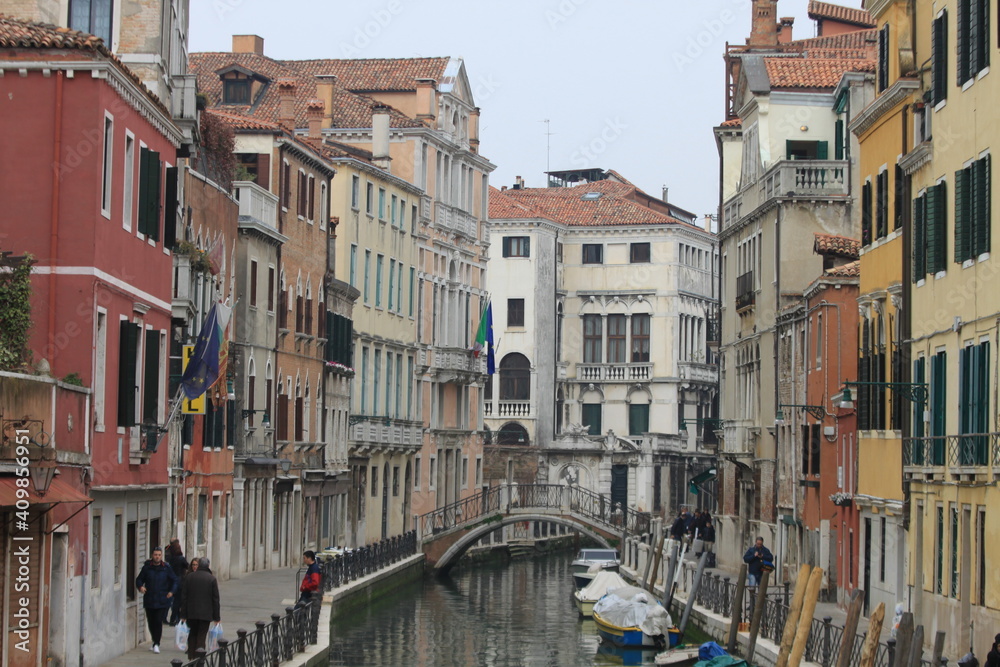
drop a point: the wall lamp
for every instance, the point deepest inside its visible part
(816, 411)
(911, 391)
(265, 421)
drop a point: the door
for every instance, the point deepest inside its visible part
(619, 486)
(868, 563)
(131, 572)
(385, 501)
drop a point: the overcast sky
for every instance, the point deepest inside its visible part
(630, 85)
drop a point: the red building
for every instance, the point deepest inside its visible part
(86, 196)
(829, 450)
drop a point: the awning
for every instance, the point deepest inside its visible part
(59, 492)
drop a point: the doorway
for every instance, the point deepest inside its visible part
(619, 486)
(868, 564)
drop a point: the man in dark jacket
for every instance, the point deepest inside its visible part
(178, 563)
(158, 584)
(200, 606)
(755, 557)
(310, 582)
(677, 529)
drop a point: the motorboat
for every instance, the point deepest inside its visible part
(680, 656)
(599, 559)
(629, 617)
(603, 582)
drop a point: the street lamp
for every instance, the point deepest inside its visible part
(912, 391)
(42, 474)
(709, 421)
(265, 421)
(817, 411)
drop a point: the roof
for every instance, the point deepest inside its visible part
(840, 246)
(350, 110)
(824, 10)
(15, 33)
(609, 205)
(849, 270)
(325, 147)
(732, 122)
(856, 44)
(239, 122)
(370, 75)
(812, 73)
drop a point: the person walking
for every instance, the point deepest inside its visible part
(708, 540)
(158, 584)
(200, 605)
(310, 582)
(178, 563)
(677, 528)
(993, 657)
(755, 558)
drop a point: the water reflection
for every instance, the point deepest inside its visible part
(522, 614)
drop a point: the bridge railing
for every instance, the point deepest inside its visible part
(595, 507)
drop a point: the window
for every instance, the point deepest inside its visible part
(640, 339)
(639, 253)
(369, 198)
(819, 340)
(973, 399)
(374, 480)
(355, 192)
(399, 288)
(376, 379)
(838, 139)
(638, 418)
(866, 213)
(149, 193)
(270, 289)
(616, 339)
(413, 219)
(883, 58)
(882, 204)
(409, 387)
(512, 434)
(592, 331)
(236, 91)
(381, 203)
(516, 246)
(515, 377)
(95, 551)
(311, 198)
(379, 260)
(93, 16)
(129, 201)
(938, 406)
(591, 417)
(128, 351)
(395, 481)
(402, 215)
(412, 280)
(882, 548)
(392, 210)
(939, 58)
(932, 225)
(593, 253)
(972, 210)
(368, 263)
(253, 283)
(286, 184)
(118, 548)
(806, 150)
(109, 132)
(515, 312)
(388, 384)
(939, 556)
(973, 38)
(301, 201)
(354, 265)
(364, 379)
(392, 282)
(399, 386)
(416, 473)
(955, 576)
(151, 378)
(100, 369)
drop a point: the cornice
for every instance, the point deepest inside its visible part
(897, 93)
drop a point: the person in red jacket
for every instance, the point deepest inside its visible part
(310, 582)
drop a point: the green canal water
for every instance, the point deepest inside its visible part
(518, 614)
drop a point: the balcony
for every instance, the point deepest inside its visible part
(698, 372)
(932, 456)
(452, 219)
(788, 178)
(426, 209)
(746, 294)
(614, 372)
(184, 104)
(454, 359)
(507, 409)
(257, 205)
(368, 432)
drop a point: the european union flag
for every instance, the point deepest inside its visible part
(203, 368)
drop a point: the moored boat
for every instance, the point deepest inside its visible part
(603, 583)
(590, 561)
(627, 617)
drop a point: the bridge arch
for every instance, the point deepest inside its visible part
(462, 545)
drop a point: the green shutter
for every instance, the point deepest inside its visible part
(143, 191)
(527, 246)
(866, 213)
(151, 377)
(980, 225)
(153, 221)
(822, 150)
(506, 246)
(838, 140)
(931, 229)
(939, 50)
(128, 345)
(170, 208)
(962, 48)
(788, 149)
(972, 36)
(919, 264)
(963, 240)
(638, 419)
(937, 243)
(984, 34)
(591, 415)
(939, 370)
(917, 409)
(982, 402)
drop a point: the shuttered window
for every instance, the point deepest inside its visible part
(899, 206)
(170, 208)
(516, 246)
(591, 417)
(939, 394)
(973, 406)
(128, 347)
(638, 419)
(866, 213)
(973, 33)
(919, 377)
(883, 58)
(149, 193)
(882, 205)
(937, 242)
(939, 58)
(838, 134)
(981, 178)
(151, 378)
(919, 263)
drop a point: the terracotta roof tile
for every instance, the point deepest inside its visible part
(840, 246)
(812, 73)
(350, 110)
(371, 75)
(849, 270)
(245, 123)
(825, 10)
(732, 122)
(864, 43)
(326, 148)
(503, 207)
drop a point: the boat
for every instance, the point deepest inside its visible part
(628, 618)
(612, 655)
(603, 582)
(606, 559)
(679, 656)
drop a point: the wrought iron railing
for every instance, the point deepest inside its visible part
(496, 500)
(966, 450)
(746, 294)
(357, 563)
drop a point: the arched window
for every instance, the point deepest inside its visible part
(515, 378)
(512, 434)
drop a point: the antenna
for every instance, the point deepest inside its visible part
(548, 150)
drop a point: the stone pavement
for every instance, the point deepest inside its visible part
(244, 601)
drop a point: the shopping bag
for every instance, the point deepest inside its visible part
(214, 635)
(181, 636)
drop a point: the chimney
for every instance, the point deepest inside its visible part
(665, 191)
(474, 130)
(380, 136)
(325, 84)
(708, 223)
(764, 24)
(785, 29)
(518, 183)
(314, 114)
(426, 100)
(248, 44)
(286, 103)
(503, 188)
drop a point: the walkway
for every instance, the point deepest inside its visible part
(244, 601)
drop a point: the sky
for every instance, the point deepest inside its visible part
(630, 85)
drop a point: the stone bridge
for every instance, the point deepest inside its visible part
(448, 532)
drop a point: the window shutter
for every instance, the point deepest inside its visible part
(143, 211)
(898, 202)
(880, 221)
(883, 58)
(984, 34)
(155, 192)
(963, 238)
(838, 140)
(936, 243)
(527, 246)
(506, 246)
(151, 377)
(962, 47)
(919, 238)
(170, 208)
(822, 150)
(866, 213)
(981, 226)
(788, 149)
(128, 345)
(939, 57)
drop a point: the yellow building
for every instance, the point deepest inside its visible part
(884, 129)
(950, 460)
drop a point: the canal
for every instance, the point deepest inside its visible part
(518, 614)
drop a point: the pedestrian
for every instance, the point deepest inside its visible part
(993, 657)
(178, 563)
(310, 582)
(158, 584)
(677, 528)
(757, 558)
(708, 538)
(200, 605)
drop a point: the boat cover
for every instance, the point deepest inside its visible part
(722, 661)
(603, 583)
(632, 607)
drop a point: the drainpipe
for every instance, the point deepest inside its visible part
(54, 222)
(83, 604)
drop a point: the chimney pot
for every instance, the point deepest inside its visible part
(314, 114)
(380, 136)
(325, 86)
(764, 24)
(286, 103)
(426, 100)
(248, 44)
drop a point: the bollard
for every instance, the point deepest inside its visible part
(786, 592)
(223, 643)
(199, 657)
(241, 647)
(892, 651)
(725, 597)
(826, 640)
(176, 662)
(259, 658)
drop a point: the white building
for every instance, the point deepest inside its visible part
(603, 303)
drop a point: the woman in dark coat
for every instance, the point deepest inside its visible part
(178, 563)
